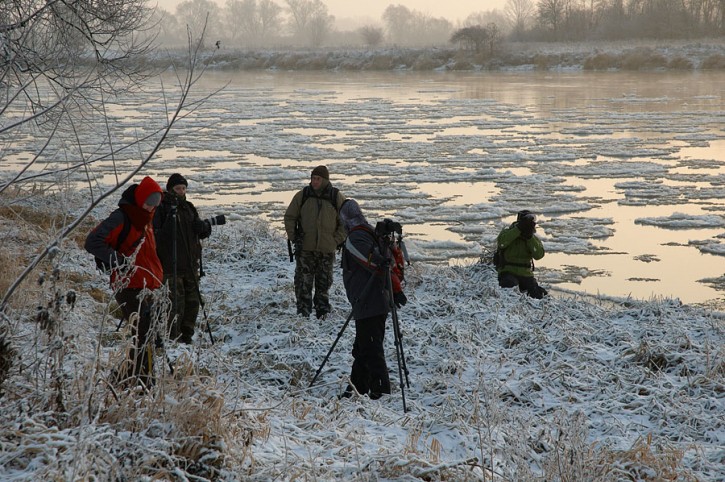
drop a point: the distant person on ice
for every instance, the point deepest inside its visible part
(314, 228)
(124, 243)
(179, 232)
(517, 247)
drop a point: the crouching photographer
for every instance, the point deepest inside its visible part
(518, 246)
(369, 271)
(179, 231)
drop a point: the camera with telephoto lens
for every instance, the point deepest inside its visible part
(217, 220)
(387, 227)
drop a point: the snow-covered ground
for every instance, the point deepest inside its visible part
(502, 387)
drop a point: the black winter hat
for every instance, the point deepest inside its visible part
(321, 171)
(175, 180)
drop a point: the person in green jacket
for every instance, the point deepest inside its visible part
(313, 226)
(518, 246)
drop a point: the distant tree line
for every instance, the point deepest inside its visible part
(308, 23)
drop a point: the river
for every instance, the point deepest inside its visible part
(626, 169)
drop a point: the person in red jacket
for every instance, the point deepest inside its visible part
(125, 242)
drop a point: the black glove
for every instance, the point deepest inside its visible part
(218, 220)
(197, 225)
(527, 226)
(399, 299)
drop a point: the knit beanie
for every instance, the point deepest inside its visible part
(321, 171)
(175, 180)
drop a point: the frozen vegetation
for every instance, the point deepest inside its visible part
(705, 54)
(502, 387)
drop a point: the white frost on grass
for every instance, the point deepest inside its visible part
(502, 387)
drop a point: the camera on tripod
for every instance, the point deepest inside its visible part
(387, 227)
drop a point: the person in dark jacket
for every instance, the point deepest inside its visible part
(179, 231)
(136, 269)
(518, 247)
(366, 260)
(312, 224)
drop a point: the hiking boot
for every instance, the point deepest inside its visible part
(321, 315)
(186, 339)
(303, 312)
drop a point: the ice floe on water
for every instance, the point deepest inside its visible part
(681, 221)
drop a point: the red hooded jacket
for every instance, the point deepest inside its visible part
(101, 241)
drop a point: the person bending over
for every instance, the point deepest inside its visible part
(366, 259)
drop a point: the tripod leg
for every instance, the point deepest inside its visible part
(334, 344)
(399, 341)
(342, 330)
(398, 346)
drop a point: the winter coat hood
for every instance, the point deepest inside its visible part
(351, 215)
(133, 198)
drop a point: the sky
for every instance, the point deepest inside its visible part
(342, 9)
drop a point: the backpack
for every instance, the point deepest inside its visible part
(101, 264)
(307, 192)
(498, 259)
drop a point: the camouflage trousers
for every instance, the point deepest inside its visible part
(184, 311)
(313, 270)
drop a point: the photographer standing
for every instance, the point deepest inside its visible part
(179, 230)
(312, 225)
(124, 243)
(518, 246)
(366, 260)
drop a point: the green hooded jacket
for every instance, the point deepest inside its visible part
(321, 226)
(517, 251)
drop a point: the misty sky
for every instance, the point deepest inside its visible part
(451, 9)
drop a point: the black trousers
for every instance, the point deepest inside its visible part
(369, 370)
(525, 283)
(137, 312)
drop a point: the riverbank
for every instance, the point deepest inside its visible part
(502, 387)
(704, 54)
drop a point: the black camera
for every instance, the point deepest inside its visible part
(217, 220)
(388, 226)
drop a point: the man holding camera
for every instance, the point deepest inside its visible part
(312, 225)
(517, 247)
(179, 232)
(368, 267)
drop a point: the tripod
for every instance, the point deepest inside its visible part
(397, 335)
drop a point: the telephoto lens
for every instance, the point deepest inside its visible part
(217, 220)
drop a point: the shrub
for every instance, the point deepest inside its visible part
(715, 61)
(424, 62)
(680, 63)
(643, 59)
(380, 62)
(601, 62)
